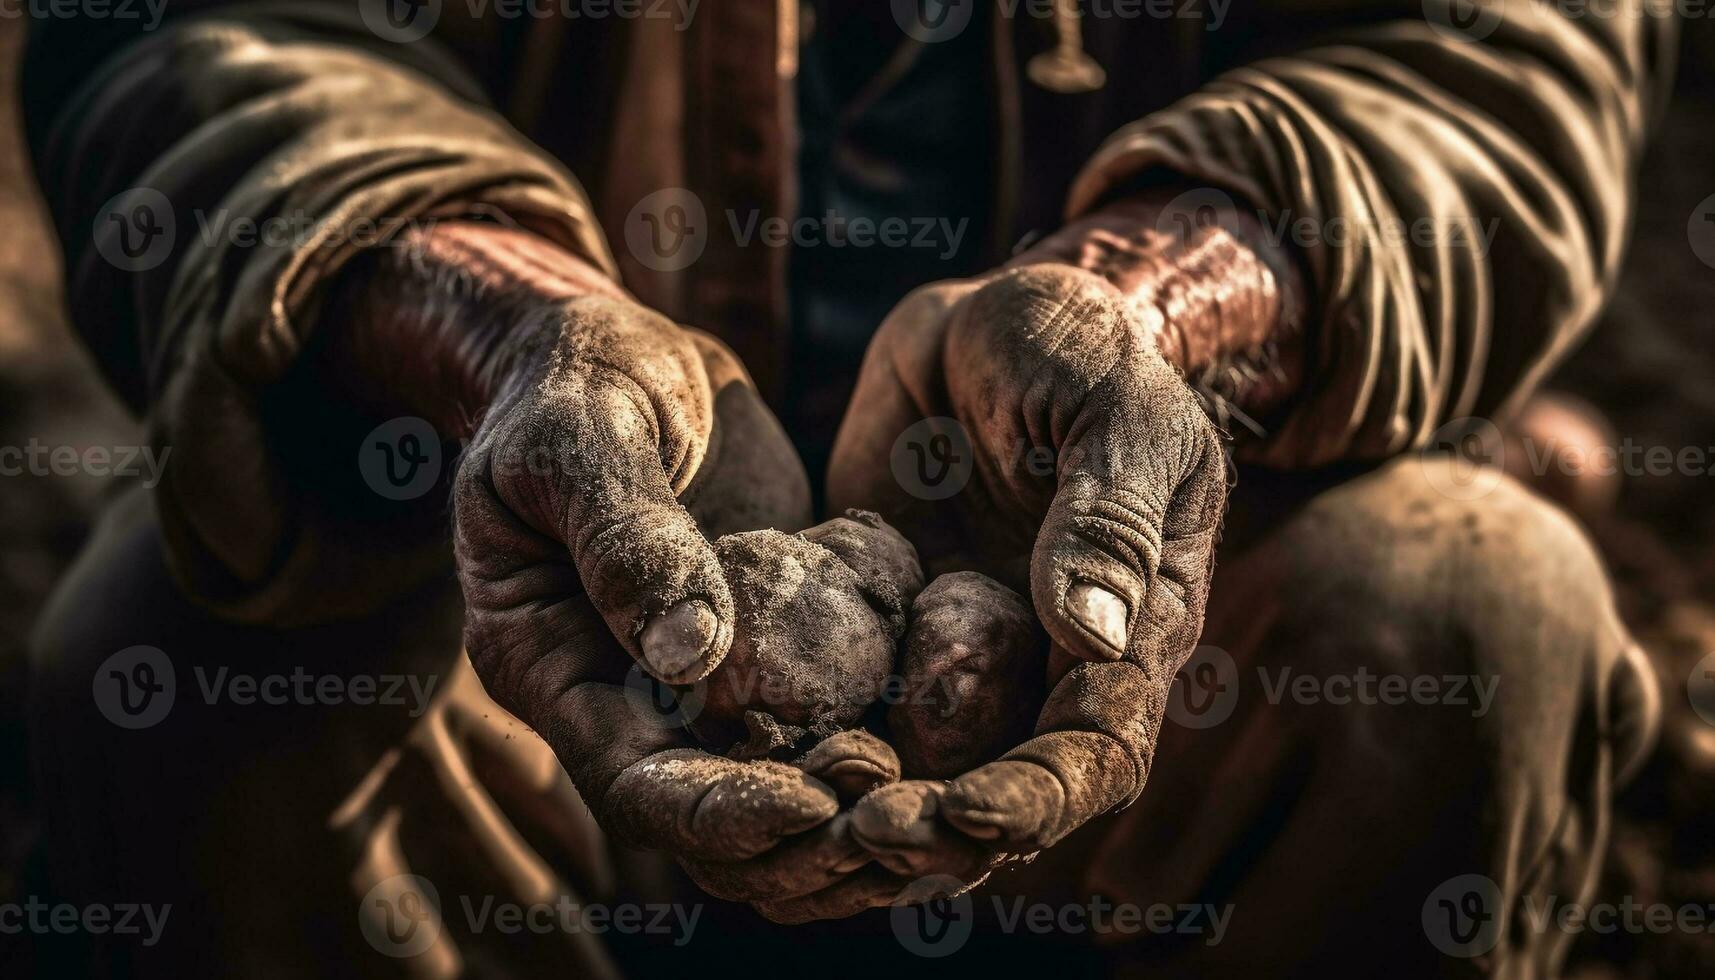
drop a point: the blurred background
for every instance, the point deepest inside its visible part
(1649, 369)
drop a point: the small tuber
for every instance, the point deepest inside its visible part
(819, 618)
(974, 668)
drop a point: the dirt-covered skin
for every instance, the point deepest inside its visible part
(1118, 535)
(851, 763)
(974, 664)
(818, 618)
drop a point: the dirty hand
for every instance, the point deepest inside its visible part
(1084, 458)
(608, 441)
(578, 561)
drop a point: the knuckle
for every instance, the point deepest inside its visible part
(642, 546)
(472, 497)
(1121, 525)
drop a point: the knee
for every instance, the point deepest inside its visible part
(1414, 541)
(1407, 570)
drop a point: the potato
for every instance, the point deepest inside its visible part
(819, 617)
(974, 666)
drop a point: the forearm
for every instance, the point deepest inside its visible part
(1226, 302)
(1459, 195)
(253, 154)
(433, 322)
(275, 157)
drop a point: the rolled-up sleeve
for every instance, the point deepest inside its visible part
(206, 179)
(1458, 197)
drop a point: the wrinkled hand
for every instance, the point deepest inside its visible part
(581, 508)
(1091, 465)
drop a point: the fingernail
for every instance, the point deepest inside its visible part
(975, 823)
(1099, 611)
(852, 863)
(675, 642)
(851, 779)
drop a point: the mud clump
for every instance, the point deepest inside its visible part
(819, 618)
(974, 665)
(832, 621)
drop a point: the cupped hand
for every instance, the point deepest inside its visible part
(581, 509)
(1085, 469)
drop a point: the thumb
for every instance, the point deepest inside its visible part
(594, 457)
(644, 563)
(1121, 566)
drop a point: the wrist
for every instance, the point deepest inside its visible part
(1226, 303)
(438, 321)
